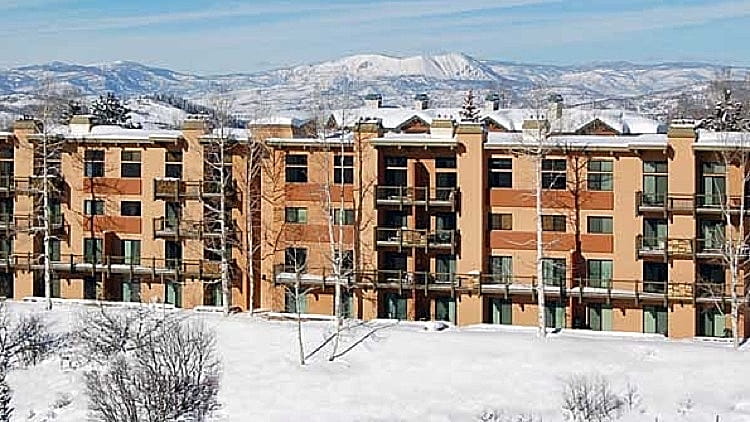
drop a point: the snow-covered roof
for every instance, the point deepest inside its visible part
(279, 120)
(117, 133)
(347, 140)
(573, 119)
(233, 133)
(710, 140)
(417, 139)
(501, 140)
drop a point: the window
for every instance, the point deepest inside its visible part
(6, 209)
(296, 215)
(92, 250)
(445, 162)
(6, 247)
(655, 319)
(655, 277)
(94, 166)
(345, 218)
(54, 250)
(296, 168)
(130, 164)
(599, 317)
(295, 260)
(347, 260)
(173, 164)
(553, 223)
(343, 169)
(130, 208)
(553, 271)
(501, 221)
(395, 171)
(600, 225)
(445, 309)
(713, 184)
(654, 183)
(501, 172)
(93, 207)
(501, 268)
(599, 273)
(173, 253)
(554, 174)
(132, 251)
(396, 162)
(445, 268)
(6, 166)
(600, 175)
(501, 311)
(6, 285)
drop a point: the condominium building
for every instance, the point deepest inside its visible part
(132, 213)
(426, 216)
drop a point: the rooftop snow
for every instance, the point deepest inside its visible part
(707, 139)
(278, 120)
(504, 140)
(111, 132)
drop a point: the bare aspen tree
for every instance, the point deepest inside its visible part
(732, 131)
(219, 181)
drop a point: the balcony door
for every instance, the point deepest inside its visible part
(655, 320)
(713, 184)
(445, 268)
(654, 277)
(654, 183)
(394, 306)
(445, 309)
(654, 233)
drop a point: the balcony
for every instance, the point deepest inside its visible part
(191, 229)
(663, 203)
(660, 247)
(409, 238)
(403, 196)
(34, 185)
(7, 185)
(176, 189)
(719, 204)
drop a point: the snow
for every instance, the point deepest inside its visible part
(505, 140)
(428, 372)
(116, 133)
(707, 139)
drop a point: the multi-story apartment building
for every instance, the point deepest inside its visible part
(131, 213)
(436, 218)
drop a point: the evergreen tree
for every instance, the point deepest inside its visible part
(469, 111)
(109, 110)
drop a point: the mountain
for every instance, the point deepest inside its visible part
(342, 82)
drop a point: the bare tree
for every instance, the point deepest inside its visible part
(731, 125)
(173, 376)
(591, 398)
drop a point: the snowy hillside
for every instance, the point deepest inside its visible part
(344, 81)
(407, 372)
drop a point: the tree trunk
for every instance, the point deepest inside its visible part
(542, 323)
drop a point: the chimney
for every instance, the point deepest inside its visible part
(442, 127)
(373, 101)
(421, 102)
(491, 102)
(556, 106)
(81, 124)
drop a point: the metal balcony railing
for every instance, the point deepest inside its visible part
(420, 195)
(410, 238)
(176, 189)
(666, 247)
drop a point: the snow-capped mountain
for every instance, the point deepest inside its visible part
(344, 81)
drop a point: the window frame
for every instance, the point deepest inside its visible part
(554, 177)
(592, 218)
(343, 163)
(125, 204)
(596, 178)
(294, 215)
(130, 164)
(296, 172)
(501, 221)
(345, 219)
(500, 172)
(93, 207)
(554, 223)
(94, 160)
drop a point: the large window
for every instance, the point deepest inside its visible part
(599, 272)
(713, 184)
(130, 208)
(600, 225)
(295, 260)
(93, 207)
(501, 221)
(296, 168)
(296, 215)
(600, 175)
(501, 269)
(501, 172)
(173, 253)
(343, 169)
(654, 183)
(553, 271)
(92, 250)
(6, 166)
(347, 260)
(396, 171)
(554, 174)
(553, 223)
(343, 217)
(94, 163)
(173, 164)
(132, 251)
(130, 164)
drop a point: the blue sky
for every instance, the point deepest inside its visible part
(239, 36)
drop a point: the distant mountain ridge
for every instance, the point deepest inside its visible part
(342, 82)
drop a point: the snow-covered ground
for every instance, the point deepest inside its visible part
(410, 372)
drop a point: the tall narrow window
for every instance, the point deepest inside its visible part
(553, 270)
(296, 168)
(173, 253)
(173, 164)
(92, 250)
(501, 172)
(599, 272)
(132, 251)
(295, 260)
(554, 174)
(6, 166)
(713, 184)
(654, 183)
(130, 164)
(343, 169)
(600, 175)
(94, 163)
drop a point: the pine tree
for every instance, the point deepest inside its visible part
(109, 110)
(6, 394)
(469, 111)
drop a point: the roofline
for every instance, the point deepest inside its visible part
(307, 142)
(411, 142)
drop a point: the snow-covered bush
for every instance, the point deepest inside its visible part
(6, 395)
(501, 416)
(172, 374)
(590, 398)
